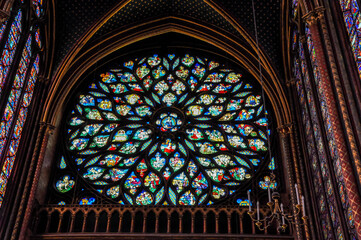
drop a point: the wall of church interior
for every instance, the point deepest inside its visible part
(176, 119)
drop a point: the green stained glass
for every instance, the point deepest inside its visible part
(65, 184)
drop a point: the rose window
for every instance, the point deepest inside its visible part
(167, 130)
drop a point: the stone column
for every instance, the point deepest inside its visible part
(339, 93)
(45, 131)
(284, 134)
(325, 86)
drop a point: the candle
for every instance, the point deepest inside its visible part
(283, 217)
(249, 201)
(257, 210)
(303, 206)
(269, 194)
(298, 197)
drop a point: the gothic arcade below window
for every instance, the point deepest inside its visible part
(164, 130)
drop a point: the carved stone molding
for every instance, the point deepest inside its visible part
(302, 39)
(312, 16)
(43, 79)
(5, 9)
(292, 82)
(48, 126)
(285, 129)
(3, 16)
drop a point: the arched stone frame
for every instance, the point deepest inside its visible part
(79, 60)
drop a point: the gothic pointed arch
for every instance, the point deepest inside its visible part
(97, 48)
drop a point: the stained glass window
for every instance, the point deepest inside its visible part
(330, 137)
(351, 15)
(18, 128)
(14, 96)
(2, 29)
(294, 7)
(37, 38)
(317, 155)
(165, 130)
(9, 49)
(38, 5)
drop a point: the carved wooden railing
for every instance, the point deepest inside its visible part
(67, 222)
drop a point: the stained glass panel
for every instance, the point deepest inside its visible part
(20, 121)
(38, 6)
(352, 18)
(294, 7)
(329, 132)
(37, 38)
(167, 130)
(316, 152)
(9, 49)
(2, 29)
(15, 92)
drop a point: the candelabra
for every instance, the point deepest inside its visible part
(278, 213)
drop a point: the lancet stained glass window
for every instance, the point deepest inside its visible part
(14, 96)
(18, 128)
(165, 130)
(294, 7)
(21, 87)
(8, 52)
(352, 17)
(38, 5)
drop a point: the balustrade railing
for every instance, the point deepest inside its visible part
(100, 220)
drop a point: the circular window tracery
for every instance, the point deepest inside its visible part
(168, 130)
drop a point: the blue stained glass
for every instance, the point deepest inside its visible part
(86, 201)
(62, 164)
(243, 203)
